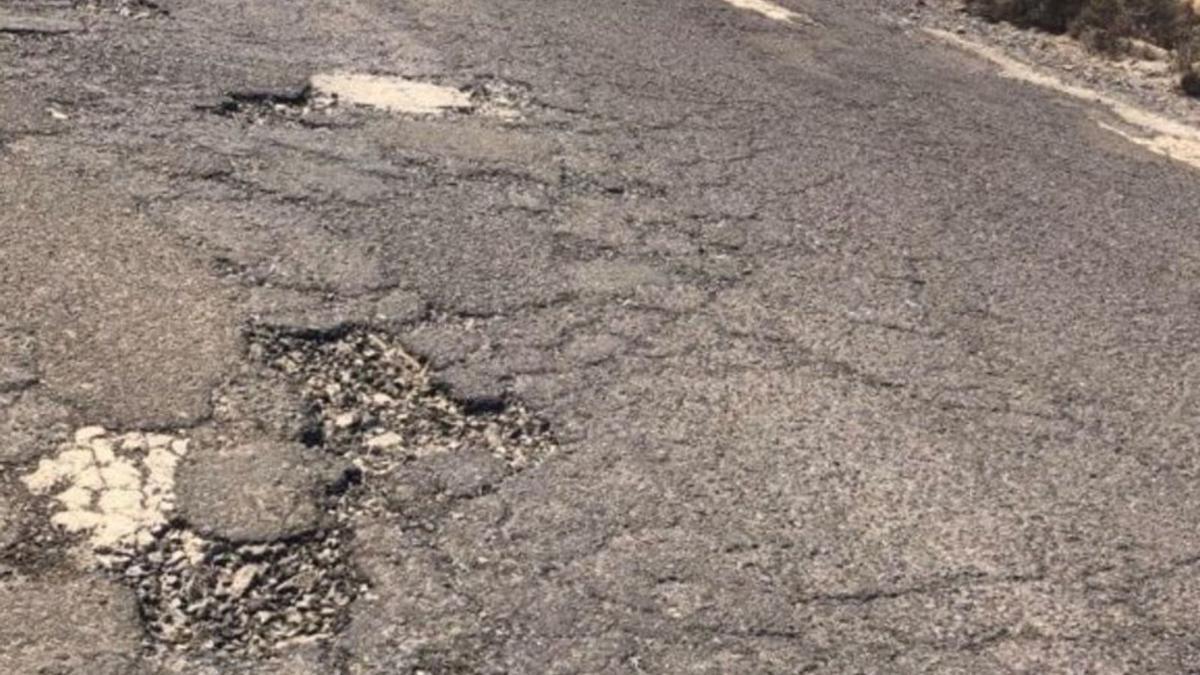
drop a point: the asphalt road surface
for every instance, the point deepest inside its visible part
(562, 336)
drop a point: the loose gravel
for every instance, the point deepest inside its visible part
(380, 406)
(209, 595)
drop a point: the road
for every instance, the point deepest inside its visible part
(683, 336)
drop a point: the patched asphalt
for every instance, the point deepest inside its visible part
(682, 339)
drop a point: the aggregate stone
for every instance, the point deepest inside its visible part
(260, 491)
(70, 627)
(215, 597)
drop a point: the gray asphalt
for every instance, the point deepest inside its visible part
(856, 357)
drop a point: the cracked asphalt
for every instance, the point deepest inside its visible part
(693, 337)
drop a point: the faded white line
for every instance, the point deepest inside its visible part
(1155, 132)
(771, 10)
(117, 487)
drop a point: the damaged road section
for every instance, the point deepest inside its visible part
(212, 585)
(212, 595)
(315, 102)
(235, 535)
(396, 94)
(380, 406)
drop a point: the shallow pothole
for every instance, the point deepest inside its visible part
(209, 595)
(380, 406)
(395, 94)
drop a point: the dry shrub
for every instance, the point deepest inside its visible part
(1052, 15)
(1103, 24)
(1112, 26)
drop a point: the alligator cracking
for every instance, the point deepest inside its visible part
(376, 404)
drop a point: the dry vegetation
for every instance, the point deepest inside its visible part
(1112, 26)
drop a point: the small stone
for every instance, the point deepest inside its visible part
(121, 475)
(345, 420)
(89, 478)
(242, 579)
(76, 498)
(385, 440)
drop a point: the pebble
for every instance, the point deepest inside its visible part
(385, 440)
(242, 580)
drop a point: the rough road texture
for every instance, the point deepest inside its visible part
(823, 348)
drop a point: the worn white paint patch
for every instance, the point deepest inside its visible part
(770, 10)
(1150, 130)
(116, 488)
(394, 94)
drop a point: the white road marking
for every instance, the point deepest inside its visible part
(771, 10)
(117, 488)
(1154, 132)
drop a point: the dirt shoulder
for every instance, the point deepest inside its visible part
(1146, 79)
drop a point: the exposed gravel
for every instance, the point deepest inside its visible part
(206, 590)
(380, 406)
(204, 594)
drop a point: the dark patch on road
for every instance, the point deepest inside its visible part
(294, 104)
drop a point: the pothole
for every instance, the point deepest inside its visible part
(196, 593)
(205, 590)
(380, 407)
(394, 94)
(297, 105)
(397, 94)
(205, 594)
